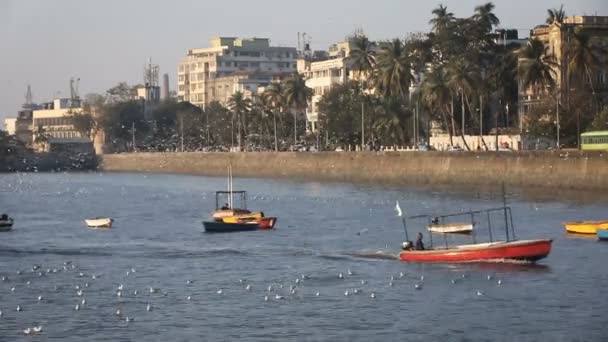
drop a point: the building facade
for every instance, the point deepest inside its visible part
(231, 64)
(556, 39)
(322, 71)
(52, 123)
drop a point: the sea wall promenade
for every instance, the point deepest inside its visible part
(558, 170)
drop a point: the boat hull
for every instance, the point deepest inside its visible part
(221, 227)
(267, 222)
(525, 250)
(99, 223)
(243, 217)
(585, 227)
(6, 225)
(602, 234)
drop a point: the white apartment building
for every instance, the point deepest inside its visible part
(323, 73)
(231, 64)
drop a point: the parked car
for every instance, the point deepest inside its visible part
(423, 147)
(339, 149)
(454, 149)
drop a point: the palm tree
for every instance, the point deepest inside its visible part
(297, 95)
(463, 78)
(435, 94)
(583, 61)
(240, 106)
(362, 56)
(394, 69)
(263, 110)
(276, 97)
(536, 68)
(485, 16)
(442, 19)
(583, 57)
(555, 15)
(389, 124)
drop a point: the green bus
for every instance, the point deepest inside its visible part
(597, 140)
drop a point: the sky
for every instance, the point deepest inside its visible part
(102, 42)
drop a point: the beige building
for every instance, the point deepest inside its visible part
(555, 38)
(231, 64)
(322, 73)
(53, 124)
(10, 126)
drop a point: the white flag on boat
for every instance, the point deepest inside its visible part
(398, 209)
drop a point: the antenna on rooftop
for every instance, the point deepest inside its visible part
(151, 74)
(74, 88)
(28, 95)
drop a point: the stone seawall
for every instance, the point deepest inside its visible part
(557, 170)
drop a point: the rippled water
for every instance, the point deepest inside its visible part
(323, 230)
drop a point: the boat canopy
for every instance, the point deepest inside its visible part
(233, 199)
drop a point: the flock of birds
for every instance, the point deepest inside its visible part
(85, 283)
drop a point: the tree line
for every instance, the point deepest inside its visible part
(462, 80)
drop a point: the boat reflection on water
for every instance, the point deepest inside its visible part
(506, 267)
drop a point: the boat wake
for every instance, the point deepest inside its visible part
(382, 255)
(55, 251)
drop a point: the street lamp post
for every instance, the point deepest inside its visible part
(557, 121)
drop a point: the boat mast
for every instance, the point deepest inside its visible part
(230, 186)
(504, 206)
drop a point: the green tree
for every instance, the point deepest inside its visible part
(219, 121)
(362, 56)
(442, 20)
(600, 121)
(536, 66)
(297, 95)
(394, 69)
(463, 78)
(275, 95)
(240, 107)
(83, 123)
(556, 15)
(485, 17)
(390, 125)
(436, 96)
(339, 113)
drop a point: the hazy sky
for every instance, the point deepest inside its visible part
(103, 42)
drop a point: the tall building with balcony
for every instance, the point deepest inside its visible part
(322, 71)
(556, 37)
(229, 65)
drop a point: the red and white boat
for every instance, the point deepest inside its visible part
(508, 248)
(521, 250)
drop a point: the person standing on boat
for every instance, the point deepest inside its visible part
(419, 243)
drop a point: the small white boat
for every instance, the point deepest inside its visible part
(6, 223)
(451, 228)
(99, 222)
